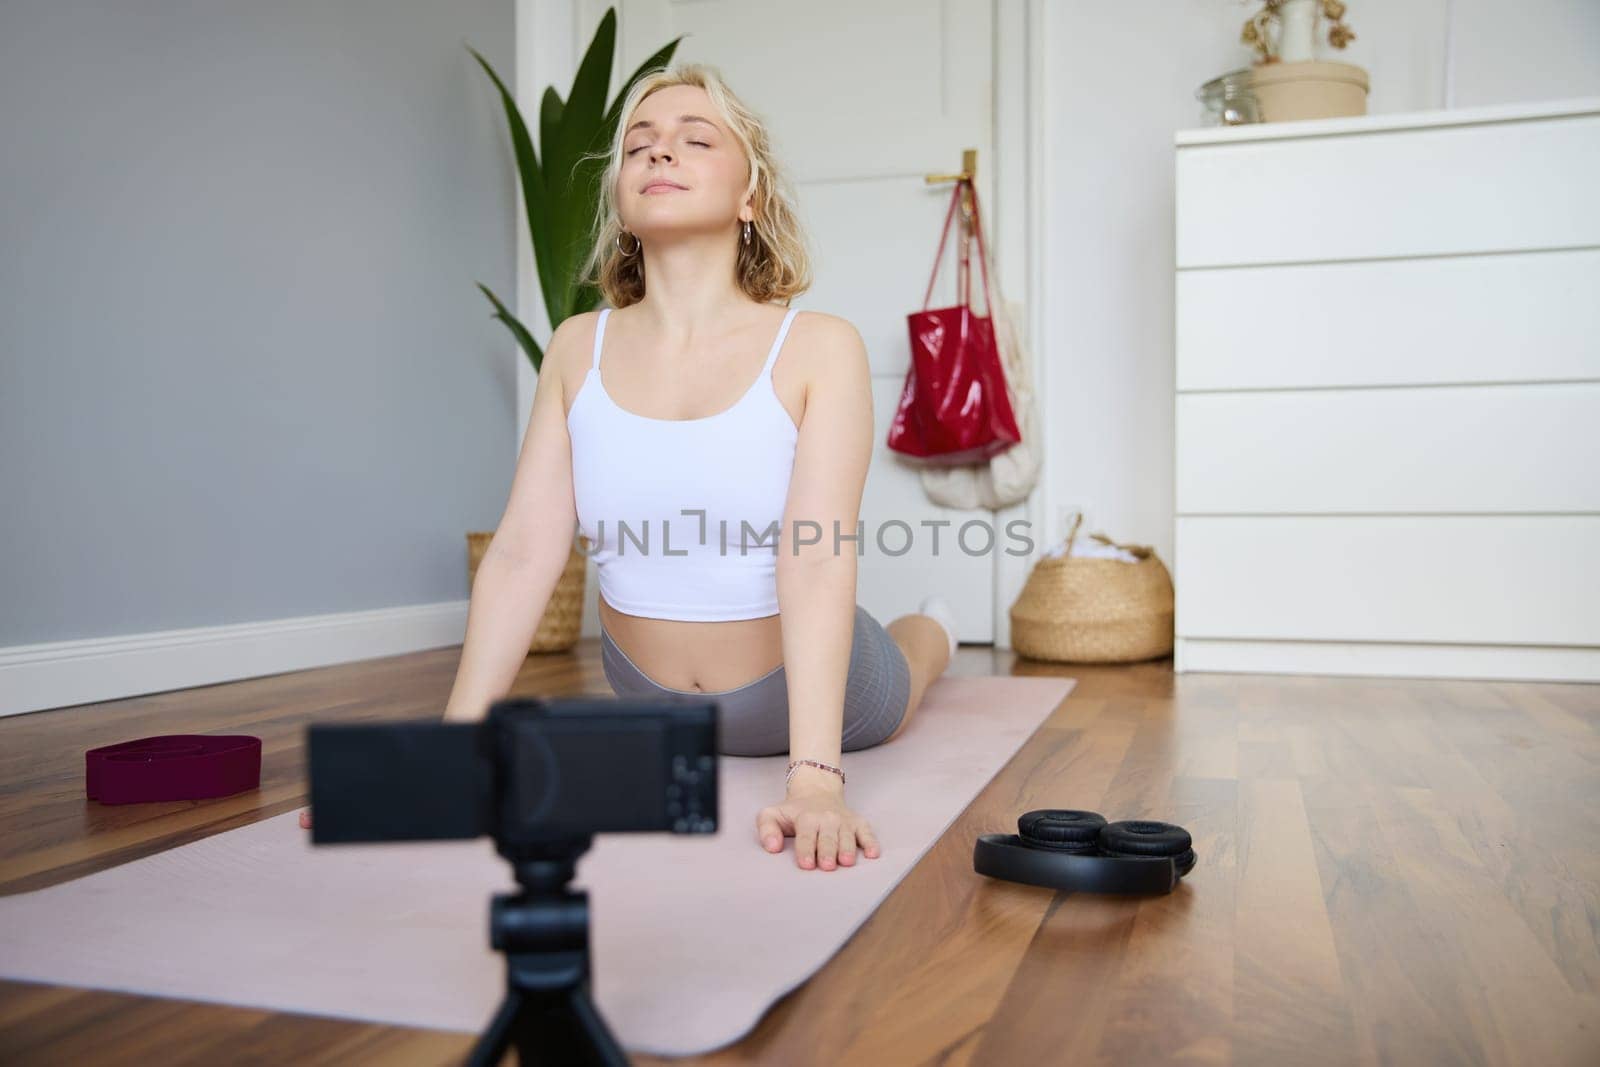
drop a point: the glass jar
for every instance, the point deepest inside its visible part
(1228, 100)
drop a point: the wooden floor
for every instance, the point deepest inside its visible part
(1391, 872)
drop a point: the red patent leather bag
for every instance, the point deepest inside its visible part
(954, 408)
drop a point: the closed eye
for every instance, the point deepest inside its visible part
(631, 151)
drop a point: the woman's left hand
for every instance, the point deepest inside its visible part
(822, 826)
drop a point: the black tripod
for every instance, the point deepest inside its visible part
(544, 932)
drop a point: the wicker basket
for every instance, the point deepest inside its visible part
(562, 620)
(1078, 610)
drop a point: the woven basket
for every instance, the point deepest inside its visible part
(563, 615)
(1078, 610)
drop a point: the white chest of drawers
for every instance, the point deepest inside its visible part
(1388, 395)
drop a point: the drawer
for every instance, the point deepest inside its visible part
(1426, 449)
(1391, 192)
(1504, 579)
(1531, 316)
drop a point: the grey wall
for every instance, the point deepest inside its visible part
(245, 372)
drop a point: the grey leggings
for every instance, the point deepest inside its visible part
(753, 719)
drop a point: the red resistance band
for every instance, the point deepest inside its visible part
(173, 767)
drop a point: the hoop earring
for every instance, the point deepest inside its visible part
(747, 232)
(627, 251)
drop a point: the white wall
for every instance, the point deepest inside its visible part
(1121, 81)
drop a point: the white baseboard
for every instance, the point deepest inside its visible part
(63, 673)
(1534, 663)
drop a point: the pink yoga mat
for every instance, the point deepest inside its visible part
(692, 938)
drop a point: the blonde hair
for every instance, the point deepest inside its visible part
(774, 265)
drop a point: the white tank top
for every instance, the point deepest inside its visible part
(684, 514)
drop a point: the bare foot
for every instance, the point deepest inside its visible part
(305, 819)
(939, 610)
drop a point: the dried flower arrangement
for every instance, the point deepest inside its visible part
(1257, 35)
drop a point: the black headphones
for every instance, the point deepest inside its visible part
(1080, 852)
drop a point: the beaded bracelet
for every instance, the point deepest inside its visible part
(813, 763)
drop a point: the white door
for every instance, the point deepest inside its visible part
(863, 100)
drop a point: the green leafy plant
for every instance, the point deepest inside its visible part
(561, 193)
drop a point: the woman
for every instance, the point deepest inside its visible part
(717, 463)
